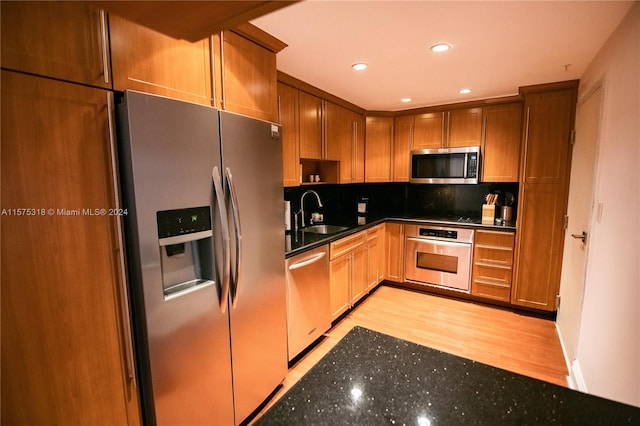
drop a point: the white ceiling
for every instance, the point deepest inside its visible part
(496, 46)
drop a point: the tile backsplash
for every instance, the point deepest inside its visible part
(397, 199)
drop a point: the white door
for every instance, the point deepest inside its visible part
(579, 210)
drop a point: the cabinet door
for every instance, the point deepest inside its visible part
(340, 274)
(428, 131)
(338, 137)
(63, 40)
(402, 145)
(379, 136)
(464, 127)
(501, 147)
(359, 145)
(373, 260)
(547, 144)
(310, 126)
(64, 345)
(288, 110)
(359, 282)
(151, 62)
(540, 239)
(395, 251)
(249, 78)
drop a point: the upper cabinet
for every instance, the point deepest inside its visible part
(378, 144)
(501, 142)
(403, 130)
(63, 40)
(547, 135)
(151, 62)
(312, 129)
(289, 119)
(245, 72)
(345, 135)
(448, 129)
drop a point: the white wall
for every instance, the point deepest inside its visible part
(608, 355)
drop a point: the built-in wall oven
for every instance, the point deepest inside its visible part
(439, 256)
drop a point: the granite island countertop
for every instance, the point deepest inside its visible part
(370, 378)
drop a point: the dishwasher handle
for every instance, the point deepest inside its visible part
(303, 263)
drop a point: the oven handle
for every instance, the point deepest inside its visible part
(439, 241)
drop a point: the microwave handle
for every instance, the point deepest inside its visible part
(466, 165)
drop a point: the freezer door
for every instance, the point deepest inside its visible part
(170, 152)
(252, 161)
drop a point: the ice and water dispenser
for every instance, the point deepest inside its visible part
(185, 241)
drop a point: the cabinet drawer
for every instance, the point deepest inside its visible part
(497, 275)
(494, 238)
(345, 245)
(493, 255)
(491, 290)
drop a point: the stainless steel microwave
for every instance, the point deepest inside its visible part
(445, 165)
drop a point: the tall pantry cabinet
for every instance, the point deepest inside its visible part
(549, 114)
(66, 348)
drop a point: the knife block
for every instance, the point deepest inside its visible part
(488, 213)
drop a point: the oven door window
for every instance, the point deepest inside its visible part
(437, 262)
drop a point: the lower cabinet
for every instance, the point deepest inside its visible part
(394, 236)
(350, 269)
(492, 265)
(376, 270)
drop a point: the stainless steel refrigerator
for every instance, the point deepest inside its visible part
(203, 192)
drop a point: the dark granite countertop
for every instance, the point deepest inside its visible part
(370, 378)
(296, 243)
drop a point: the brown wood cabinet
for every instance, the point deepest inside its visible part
(429, 130)
(246, 75)
(63, 40)
(544, 186)
(378, 144)
(311, 127)
(547, 136)
(501, 142)
(492, 264)
(347, 272)
(289, 119)
(394, 235)
(464, 127)
(376, 260)
(66, 349)
(453, 128)
(345, 134)
(151, 62)
(403, 128)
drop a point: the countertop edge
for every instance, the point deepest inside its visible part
(354, 229)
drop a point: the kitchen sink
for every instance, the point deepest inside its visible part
(323, 229)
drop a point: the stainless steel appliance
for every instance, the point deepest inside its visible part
(206, 258)
(445, 165)
(308, 311)
(439, 256)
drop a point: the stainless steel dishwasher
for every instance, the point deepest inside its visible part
(308, 312)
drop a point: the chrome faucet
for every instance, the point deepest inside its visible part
(311, 191)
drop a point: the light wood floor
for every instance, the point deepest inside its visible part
(494, 336)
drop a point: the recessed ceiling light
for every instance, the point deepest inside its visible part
(465, 91)
(405, 100)
(440, 47)
(359, 66)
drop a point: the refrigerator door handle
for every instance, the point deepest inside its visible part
(226, 262)
(235, 280)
